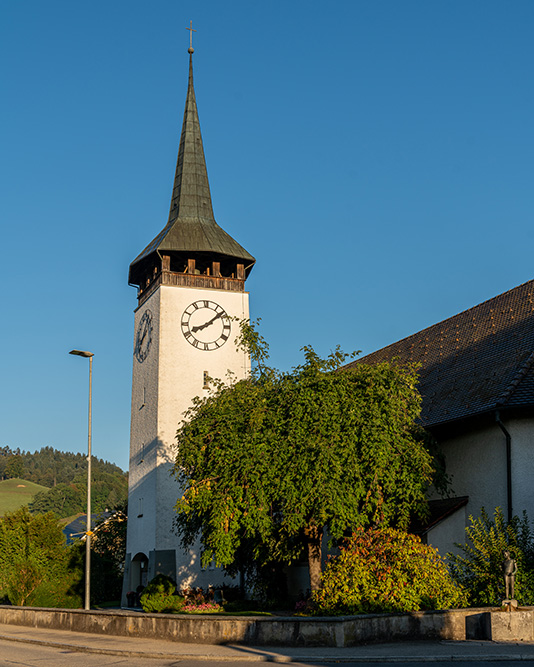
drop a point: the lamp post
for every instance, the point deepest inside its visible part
(87, 604)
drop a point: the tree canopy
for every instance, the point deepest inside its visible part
(277, 459)
(32, 554)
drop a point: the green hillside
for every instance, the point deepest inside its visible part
(17, 492)
(64, 478)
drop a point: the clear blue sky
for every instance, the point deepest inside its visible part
(376, 157)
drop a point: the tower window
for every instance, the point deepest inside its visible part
(141, 454)
(206, 381)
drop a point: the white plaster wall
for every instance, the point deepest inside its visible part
(170, 377)
(477, 463)
(181, 377)
(143, 439)
(522, 433)
(449, 532)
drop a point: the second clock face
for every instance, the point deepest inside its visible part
(143, 338)
(205, 325)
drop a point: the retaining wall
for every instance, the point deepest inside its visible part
(459, 624)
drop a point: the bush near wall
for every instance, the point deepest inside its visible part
(478, 565)
(159, 596)
(385, 570)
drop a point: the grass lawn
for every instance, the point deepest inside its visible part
(17, 492)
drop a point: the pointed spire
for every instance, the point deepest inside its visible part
(191, 197)
(191, 227)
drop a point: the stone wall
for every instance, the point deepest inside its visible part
(458, 624)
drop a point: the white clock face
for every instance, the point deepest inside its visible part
(205, 325)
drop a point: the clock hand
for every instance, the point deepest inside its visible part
(206, 324)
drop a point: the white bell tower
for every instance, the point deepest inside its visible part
(191, 288)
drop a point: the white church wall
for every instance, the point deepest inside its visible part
(522, 435)
(181, 378)
(449, 532)
(164, 386)
(141, 536)
(476, 462)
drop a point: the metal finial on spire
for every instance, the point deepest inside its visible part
(191, 31)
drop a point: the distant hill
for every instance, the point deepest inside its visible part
(64, 478)
(49, 466)
(17, 492)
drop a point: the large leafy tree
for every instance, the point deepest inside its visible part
(32, 554)
(276, 460)
(14, 467)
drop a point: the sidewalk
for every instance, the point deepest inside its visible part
(423, 651)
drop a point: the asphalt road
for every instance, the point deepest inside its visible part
(13, 654)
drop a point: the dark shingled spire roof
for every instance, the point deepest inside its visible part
(477, 361)
(191, 227)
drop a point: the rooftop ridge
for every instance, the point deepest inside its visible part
(472, 362)
(516, 381)
(420, 333)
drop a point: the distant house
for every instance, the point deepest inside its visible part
(477, 385)
(75, 530)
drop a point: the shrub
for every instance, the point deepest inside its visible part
(479, 565)
(34, 567)
(385, 570)
(159, 596)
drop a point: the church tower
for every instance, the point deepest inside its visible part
(190, 283)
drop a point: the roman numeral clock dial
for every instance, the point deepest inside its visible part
(143, 337)
(206, 325)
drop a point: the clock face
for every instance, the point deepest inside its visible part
(205, 325)
(143, 337)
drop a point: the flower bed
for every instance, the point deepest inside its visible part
(202, 608)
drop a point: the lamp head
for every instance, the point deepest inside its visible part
(81, 353)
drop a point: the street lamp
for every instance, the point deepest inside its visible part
(87, 605)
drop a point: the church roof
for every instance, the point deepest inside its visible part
(479, 360)
(191, 226)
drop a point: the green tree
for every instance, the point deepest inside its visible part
(109, 490)
(14, 467)
(63, 499)
(109, 539)
(108, 551)
(478, 566)
(32, 554)
(279, 458)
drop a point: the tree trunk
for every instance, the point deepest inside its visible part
(314, 542)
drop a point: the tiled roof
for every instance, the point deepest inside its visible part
(476, 361)
(75, 530)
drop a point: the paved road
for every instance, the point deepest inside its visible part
(16, 654)
(40, 647)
